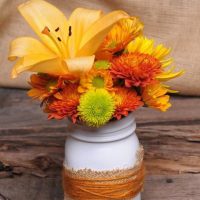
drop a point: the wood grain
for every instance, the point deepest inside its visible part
(157, 187)
(172, 187)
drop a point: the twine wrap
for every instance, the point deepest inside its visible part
(105, 185)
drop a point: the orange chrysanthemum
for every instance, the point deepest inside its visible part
(64, 104)
(146, 46)
(119, 36)
(43, 86)
(136, 69)
(96, 79)
(154, 96)
(127, 101)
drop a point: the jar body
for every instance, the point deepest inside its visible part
(113, 146)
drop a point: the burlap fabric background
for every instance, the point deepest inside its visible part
(175, 23)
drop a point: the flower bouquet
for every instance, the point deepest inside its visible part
(94, 70)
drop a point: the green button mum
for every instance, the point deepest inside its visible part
(96, 107)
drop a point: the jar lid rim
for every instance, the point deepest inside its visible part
(112, 131)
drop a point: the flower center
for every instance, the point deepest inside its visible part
(98, 110)
(98, 82)
(51, 85)
(118, 53)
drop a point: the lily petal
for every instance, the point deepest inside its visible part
(95, 34)
(31, 52)
(16, 66)
(80, 20)
(80, 64)
(40, 14)
(54, 66)
(25, 46)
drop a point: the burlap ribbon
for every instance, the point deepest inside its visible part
(104, 185)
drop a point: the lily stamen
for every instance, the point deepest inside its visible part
(70, 30)
(46, 31)
(57, 29)
(54, 39)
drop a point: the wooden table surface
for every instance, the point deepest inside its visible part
(32, 150)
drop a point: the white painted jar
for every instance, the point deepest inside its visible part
(113, 146)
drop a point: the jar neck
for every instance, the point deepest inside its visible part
(114, 130)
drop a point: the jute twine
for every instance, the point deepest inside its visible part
(122, 184)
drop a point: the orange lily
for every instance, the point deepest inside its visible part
(66, 45)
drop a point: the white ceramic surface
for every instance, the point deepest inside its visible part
(113, 146)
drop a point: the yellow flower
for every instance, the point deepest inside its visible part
(96, 79)
(67, 45)
(146, 46)
(154, 96)
(120, 35)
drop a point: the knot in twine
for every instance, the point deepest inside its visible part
(105, 185)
